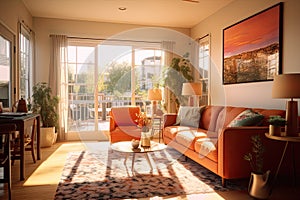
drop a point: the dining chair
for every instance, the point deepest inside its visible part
(5, 154)
(28, 145)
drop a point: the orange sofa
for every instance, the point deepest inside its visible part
(220, 148)
(123, 124)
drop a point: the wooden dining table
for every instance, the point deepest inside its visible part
(23, 121)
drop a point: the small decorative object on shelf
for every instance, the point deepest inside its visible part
(276, 123)
(22, 106)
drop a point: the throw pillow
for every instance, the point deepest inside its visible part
(189, 116)
(247, 118)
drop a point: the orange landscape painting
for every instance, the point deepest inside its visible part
(251, 48)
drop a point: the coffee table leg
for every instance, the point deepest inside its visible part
(132, 164)
(125, 159)
(147, 157)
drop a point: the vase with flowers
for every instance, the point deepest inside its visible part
(144, 123)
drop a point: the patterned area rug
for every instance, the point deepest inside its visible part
(103, 175)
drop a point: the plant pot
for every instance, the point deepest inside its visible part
(48, 136)
(259, 185)
(274, 130)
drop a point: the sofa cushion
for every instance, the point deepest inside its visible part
(133, 131)
(125, 133)
(226, 116)
(189, 116)
(209, 117)
(171, 131)
(247, 118)
(188, 137)
(207, 147)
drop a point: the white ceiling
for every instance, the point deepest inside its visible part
(171, 13)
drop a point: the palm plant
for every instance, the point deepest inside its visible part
(256, 158)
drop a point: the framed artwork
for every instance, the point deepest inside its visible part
(252, 47)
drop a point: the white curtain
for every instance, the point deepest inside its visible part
(168, 47)
(58, 79)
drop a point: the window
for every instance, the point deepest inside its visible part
(204, 67)
(6, 66)
(26, 61)
(102, 74)
(149, 67)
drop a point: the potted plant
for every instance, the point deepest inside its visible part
(259, 184)
(276, 122)
(179, 72)
(45, 104)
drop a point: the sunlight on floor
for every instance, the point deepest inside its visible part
(50, 170)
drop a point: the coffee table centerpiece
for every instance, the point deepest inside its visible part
(144, 122)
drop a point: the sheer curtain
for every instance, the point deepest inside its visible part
(168, 47)
(58, 79)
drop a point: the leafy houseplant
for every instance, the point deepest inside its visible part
(46, 105)
(175, 75)
(276, 122)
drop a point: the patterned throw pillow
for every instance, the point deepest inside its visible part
(247, 118)
(189, 116)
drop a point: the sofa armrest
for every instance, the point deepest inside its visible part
(233, 144)
(112, 124)
(169, 119)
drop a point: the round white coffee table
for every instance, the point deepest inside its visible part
(126, 147)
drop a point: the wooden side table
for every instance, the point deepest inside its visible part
(287, 141)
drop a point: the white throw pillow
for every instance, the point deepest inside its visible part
(189, 116)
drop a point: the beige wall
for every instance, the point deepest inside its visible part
(12, 11)
(256, 94)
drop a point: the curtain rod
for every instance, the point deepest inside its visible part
(202, 37)
(25, 26)
(119, 40)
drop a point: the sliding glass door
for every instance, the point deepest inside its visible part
(102, 75)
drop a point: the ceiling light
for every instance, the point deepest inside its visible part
(122, 8)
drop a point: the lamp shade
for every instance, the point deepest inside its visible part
(154, 94)
(192, 89)
(286, 86)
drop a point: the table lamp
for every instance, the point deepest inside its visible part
(154, 95)
(193, 90)
(287, 86)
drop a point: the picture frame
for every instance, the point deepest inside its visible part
(252, 48)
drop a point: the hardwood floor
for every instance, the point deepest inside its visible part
(42, 177)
